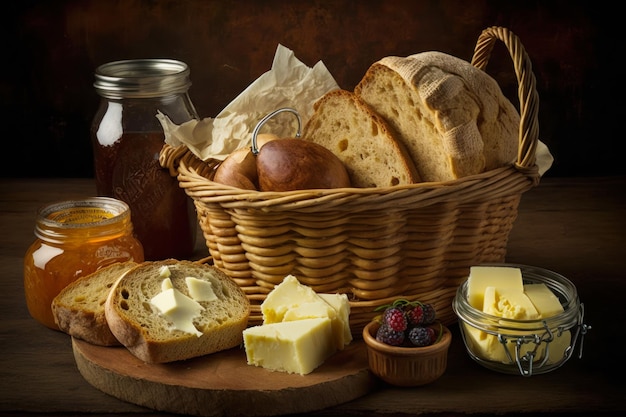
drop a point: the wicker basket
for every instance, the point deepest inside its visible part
(376, 244)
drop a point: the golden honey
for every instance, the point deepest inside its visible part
(74, 239)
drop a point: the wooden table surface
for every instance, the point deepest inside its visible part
(575, 226)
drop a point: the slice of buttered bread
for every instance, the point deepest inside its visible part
(171, 310)
(361, 139)
(78, 309)
(452, 116)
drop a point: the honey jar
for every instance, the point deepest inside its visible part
(74, 239)
(127, 138)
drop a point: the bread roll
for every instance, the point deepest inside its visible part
(452, 116)
(361, 139)
(290, 164)
(239, 168)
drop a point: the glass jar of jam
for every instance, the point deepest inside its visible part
(74, 239)
(127, 138)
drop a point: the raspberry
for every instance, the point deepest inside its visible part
(429, 314)
(387, 335)
(422, 336)
(394, 318)
(414, 314)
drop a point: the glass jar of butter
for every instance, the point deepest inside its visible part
(525, 347)
(74, 239)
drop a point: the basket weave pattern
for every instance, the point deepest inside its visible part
(377, 244)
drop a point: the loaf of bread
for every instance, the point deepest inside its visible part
(171, 310)
(452, 116)
(361, 139)
(78, 309)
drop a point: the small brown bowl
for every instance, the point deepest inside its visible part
(406, 366)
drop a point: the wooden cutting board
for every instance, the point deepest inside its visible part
(223, 384)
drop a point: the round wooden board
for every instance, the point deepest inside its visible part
(223, 384)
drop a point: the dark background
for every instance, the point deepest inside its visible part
(51, 49)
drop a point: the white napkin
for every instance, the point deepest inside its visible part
(544, 158)
(289, 83)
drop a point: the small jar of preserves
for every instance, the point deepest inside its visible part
(127, 139)
(74, 239)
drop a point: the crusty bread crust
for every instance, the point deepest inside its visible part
(150, 337)
(78, 309)
(452, 116)
(362, 140)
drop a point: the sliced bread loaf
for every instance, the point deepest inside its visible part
(452, 116)
(361, 139)
(171, 310)
(78, 309)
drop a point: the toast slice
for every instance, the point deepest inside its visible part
(172, 310)
(452, 116)
(78, 309)
(361, 139)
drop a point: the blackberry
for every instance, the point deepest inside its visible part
(422, 336)
(394, 318)
(429, 314)
(386, 334)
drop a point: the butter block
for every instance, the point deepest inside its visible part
(166, 284)
(508, 303)
(291, 346)
(314, 309)
(291, 301)
(286, 295)
(533, 302)
(544, 300)
(164, 272)
(321, 309)
(556, 348)
(488, 347)
(200, 290)
(178, 309)
(548, 304)
(341, 331)
(481, 277)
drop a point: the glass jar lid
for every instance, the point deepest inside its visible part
(142, 78)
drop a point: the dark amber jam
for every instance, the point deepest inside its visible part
(162, 214)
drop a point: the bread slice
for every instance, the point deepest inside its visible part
(78, 309)
(452, 116)
(152, 335)
(361, 139)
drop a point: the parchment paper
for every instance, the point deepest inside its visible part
(289, 83)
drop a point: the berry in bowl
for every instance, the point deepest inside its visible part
(406, 345)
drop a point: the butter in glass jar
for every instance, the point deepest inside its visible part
(74, 239)
(127, 139)
(529, 346)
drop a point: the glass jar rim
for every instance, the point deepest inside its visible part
(142, 78)
(55, 217)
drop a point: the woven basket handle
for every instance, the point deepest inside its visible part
(527, 91)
